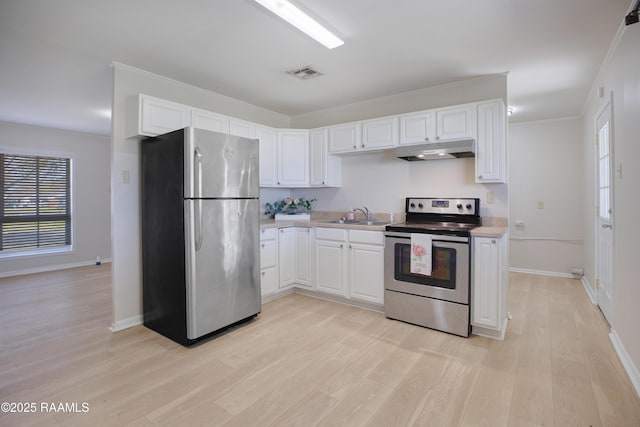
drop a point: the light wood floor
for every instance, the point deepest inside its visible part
(309, 362)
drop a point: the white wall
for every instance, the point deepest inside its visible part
(91, 207)
(380, 181)
(125, 156)
(621, 78)
(545, 165)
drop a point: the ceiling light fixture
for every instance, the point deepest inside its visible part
(302, 21)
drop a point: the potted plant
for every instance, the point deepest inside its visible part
(288, 206)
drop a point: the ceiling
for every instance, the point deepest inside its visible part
(55, 55)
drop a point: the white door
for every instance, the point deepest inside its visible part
(604, 251)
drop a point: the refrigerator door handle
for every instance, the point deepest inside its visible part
(198, 172)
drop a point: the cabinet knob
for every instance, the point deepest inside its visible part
(262, 231)
(341, 246)
(426, 139)
(437, 137)
(493, 241)
(262, 245)
(350, 247)
(278, 183)
(480, 177)
(362, 145)
(322, 182)
(282, 231)
(308, 230)
(355, 146)
(262, 273)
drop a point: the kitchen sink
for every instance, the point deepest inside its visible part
(356, 222)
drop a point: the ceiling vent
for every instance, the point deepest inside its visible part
(304, 73)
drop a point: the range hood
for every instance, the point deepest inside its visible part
(437, 151)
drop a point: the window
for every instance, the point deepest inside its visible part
(35, 207)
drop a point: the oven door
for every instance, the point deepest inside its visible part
(449, 279)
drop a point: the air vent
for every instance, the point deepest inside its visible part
(304, 73)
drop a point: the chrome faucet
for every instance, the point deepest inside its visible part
(365, 211)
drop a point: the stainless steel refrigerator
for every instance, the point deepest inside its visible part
(200, 233)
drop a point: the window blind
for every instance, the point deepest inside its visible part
(35, 207)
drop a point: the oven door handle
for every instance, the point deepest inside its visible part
(436, 237)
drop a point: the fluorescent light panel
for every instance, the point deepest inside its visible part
(302, 21)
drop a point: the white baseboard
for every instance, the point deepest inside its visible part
(541, 272)
(126, 323)
(50, 268)
(589, 290)
(631, 369)
(340, 300)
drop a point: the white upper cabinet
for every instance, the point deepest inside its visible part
(149, 116)
(379, 133)
(268, 152)
(491, 156)
(325, 169)
(345, 138)
(293, 158)
(202, 119)
(455, 122)
(242, 128)
(417, 128)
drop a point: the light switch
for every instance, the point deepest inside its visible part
(125, 177)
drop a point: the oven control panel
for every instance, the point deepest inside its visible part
(442, 206)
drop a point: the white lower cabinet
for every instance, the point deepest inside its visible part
(287, 257)
(330, 256)
(304, 261)
(350, 264)
(366, 265)
(295, 247)
(489, 287)
(268, 261)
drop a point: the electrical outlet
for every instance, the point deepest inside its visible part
(491, 197)
(125, 177)
(540, 204)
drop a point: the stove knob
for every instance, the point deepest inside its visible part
(469, 206)
(413, 205)
(459, 205)
(420, 205)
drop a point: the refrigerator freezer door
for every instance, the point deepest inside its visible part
(219, 165)
(223, 274)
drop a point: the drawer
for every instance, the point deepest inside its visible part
(331, 234)
(268, 253)
(367, 237)
(268, 233)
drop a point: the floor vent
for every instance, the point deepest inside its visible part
(304, 73)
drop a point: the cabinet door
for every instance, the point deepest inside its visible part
(210, 121)
(303, 257)
(380, 133)
(268, 280)
(268, 146)
(345, 138)
(491, 156)
(158, 116)
(417, 128)
(330, 267)
(286, 257)
(293, 158)
(455, 122)
(318, 141)
(366, 265)
(268, 253)
(242, 128)
(486, 282)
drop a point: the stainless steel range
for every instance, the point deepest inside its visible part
(439, 300)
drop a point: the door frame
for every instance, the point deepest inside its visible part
(597, 228)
